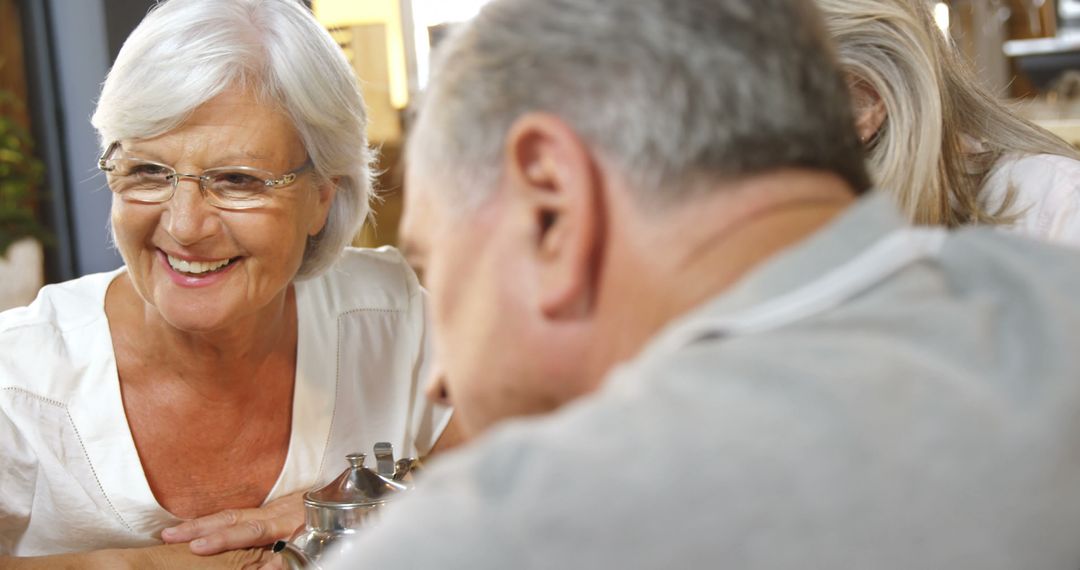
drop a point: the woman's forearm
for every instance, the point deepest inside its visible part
(90, 560)
(165, 557)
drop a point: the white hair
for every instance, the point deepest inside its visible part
(933, 102)
(676, 93)
(186, 52)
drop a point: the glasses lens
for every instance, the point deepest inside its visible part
(236, 187)
(140, 180)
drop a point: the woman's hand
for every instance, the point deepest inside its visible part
(240, 528)
(249, 528)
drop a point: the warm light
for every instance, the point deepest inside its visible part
(941, 15)
(433, 12)
(344, 13)
(427, 13)
(424, 14)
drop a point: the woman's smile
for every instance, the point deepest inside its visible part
(195, 272)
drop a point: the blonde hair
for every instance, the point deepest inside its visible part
(934, 104)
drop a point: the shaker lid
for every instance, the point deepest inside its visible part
(356, 486)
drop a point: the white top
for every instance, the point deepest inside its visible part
(873, 397)
(1047, 195)
(70, 476)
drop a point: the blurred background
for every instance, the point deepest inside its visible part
(54, 55)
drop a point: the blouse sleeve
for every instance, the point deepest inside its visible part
(1063, 221)
(18, 473)
(1047, 191)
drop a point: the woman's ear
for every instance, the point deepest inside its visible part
(870, 111)
(556, 183)
(325, 199)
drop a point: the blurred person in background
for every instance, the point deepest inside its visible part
(947, 150)
(686, 340)
(243, 349)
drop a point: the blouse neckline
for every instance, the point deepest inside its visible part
(99, 417)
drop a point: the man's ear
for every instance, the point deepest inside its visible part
(870, 111)
(555, 179)
(326, 191)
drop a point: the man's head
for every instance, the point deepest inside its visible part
(549, 126)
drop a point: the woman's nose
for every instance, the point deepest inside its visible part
(188, 217)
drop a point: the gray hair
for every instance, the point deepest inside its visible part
(186, 52)
(676, 93)
(933, 101)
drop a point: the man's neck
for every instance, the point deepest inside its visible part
(663, 265)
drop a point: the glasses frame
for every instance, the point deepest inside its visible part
(215, 200)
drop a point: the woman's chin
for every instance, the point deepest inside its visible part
(198, 309)
(197, 312)
(194, 319)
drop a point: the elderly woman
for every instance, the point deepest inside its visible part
(950, 152)
(243, 349)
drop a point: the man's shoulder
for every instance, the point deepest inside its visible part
(366, 279)
(1020, 263)
(987, 298)
(984, 332)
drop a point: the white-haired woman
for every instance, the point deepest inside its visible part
(243, 349)
(951, 152)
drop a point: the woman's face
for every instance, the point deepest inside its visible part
(203, 268)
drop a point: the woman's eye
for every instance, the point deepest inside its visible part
(236, 181)
(149, 171)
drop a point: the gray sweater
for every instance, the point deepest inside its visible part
(928, 419)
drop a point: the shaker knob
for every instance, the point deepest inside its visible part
(356, 460)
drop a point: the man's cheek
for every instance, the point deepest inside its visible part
(475, 401)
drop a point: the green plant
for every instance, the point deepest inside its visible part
(20, 176)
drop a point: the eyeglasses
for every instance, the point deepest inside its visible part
(227, 187)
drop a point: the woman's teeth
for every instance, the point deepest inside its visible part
(196, 267)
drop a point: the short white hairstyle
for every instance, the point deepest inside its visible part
(186, 52)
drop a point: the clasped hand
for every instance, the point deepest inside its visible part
(236, 529)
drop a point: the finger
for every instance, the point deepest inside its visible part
(203, 526)
(246, 534)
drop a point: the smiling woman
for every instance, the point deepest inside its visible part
(243, 347)
(172, 228)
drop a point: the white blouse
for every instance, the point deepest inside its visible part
(70, 476)
(1047, 195)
